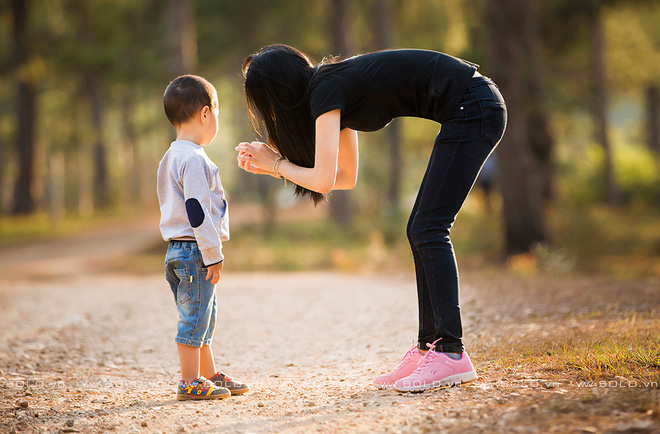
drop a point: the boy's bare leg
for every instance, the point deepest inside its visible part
(206, 362)
(189, 360)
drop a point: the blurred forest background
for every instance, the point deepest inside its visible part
(575, 185)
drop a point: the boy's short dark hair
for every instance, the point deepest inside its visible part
(186, 95)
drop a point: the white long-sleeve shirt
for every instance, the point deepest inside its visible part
(192, 200)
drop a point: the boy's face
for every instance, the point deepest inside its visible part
(210, 125)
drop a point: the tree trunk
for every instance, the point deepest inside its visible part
(92, 77)
(85, 183)
(181, 37)
(599, 107)
(341, 209)
(384, 39)
(131, 188)
(26, 112)
(341, 36)
(521, 196)
(267, 188)
(540, 138)
(653, 118)
(3, 158)
(267, 191)
(101, 182)
(56, 186)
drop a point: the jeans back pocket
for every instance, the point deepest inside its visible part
(493, 120)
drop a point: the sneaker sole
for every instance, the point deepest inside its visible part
(452, 380)
(181, 397)
(240, 391)
(235, 391)
(383, 386)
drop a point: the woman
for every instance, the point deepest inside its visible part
(311, 114)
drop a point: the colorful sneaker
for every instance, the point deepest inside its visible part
(437, 370)
(222, 380)
(405, 367)
(201, 389)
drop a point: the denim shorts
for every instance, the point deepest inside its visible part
(194, 295)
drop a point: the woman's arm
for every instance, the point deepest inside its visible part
(347, 167)
(328, 171)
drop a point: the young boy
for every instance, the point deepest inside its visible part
(194, 220)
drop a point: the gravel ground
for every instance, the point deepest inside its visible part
(85, 350)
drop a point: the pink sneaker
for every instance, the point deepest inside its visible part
(437, 370)
(406, 366)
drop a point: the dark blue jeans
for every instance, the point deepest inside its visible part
(461, 148)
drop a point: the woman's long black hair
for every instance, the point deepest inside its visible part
(277, 79)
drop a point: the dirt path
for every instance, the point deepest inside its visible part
(88, 351)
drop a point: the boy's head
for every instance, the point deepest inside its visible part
(189, 97)
(186, 95)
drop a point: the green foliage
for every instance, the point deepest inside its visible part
(620, 243)
(633, 38)
(123, 42)
(638, 175)
(580, 164)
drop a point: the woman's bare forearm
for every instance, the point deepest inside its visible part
(335, 162)
(309, 177)
(320, 178)
(258, 158)
(347, 165)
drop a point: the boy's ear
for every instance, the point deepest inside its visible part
(204, 114)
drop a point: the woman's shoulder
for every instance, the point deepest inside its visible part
(398, 52)
(329, 90)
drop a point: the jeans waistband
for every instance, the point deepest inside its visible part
(482, 89)
(183, 241)
(480, 80)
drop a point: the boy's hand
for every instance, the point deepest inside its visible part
(213, 273)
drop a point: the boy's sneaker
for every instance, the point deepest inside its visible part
(201, 389)
(437, 370)
(222, 380)
(405, 367)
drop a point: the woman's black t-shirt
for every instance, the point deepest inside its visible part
(372, 89)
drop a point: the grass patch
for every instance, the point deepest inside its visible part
(621, 243)
(308, 245)
(633, 355)
(40, 227)
(304, 245)
(627, 349)
(585, 239)
(18, 229)
(374, 244)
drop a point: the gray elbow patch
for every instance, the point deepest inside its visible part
(195, 212)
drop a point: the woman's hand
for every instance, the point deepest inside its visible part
(327, 173)
(256, 157)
